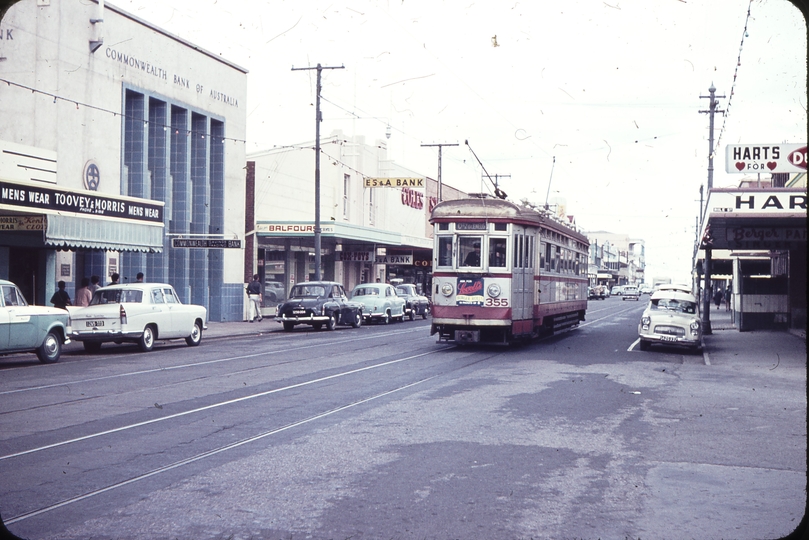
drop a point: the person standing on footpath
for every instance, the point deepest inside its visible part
(83, 294)
(139, 277)
(94, 284)
(60, 298)
(115, 277)
(254, 296)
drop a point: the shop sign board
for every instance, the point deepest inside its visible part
(403, 260)
(394, 182)
(356, 256)
(773, 202)
(765, 158)
(205, 243)
(22, 223)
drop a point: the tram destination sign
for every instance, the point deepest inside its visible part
(205, 243)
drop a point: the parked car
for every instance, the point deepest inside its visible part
(675, 287)
(380, 303)
(25, 328)
(319, 303)
(630, 292)
(274, 291)
(645, 289)
(415, 303)
(139, 313)
(671, 318)
(599, 292)
(617, 290)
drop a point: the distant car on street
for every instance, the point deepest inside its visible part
(415, 303)
(380, 303)
(617, 290)
(140, 313)
(24, 328)
(671, 318)
(599, 292)
(630, 292)
(319, 304)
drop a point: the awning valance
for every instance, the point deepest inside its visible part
(92, 233)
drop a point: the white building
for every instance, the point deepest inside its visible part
(116, 138)
(373, 227)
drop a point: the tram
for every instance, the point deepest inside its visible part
(504, 273)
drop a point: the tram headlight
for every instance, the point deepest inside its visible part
(446, 289)
(493, 289)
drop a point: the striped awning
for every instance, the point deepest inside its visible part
(72, 232)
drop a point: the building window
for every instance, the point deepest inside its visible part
(346, 191)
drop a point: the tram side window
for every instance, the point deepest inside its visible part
(497, 252)
(557, 259)
(529, 252)
(542, 258)
(444, 251)
(469, 250)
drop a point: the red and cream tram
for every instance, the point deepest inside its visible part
(504, 272)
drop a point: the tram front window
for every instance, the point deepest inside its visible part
(444, 251)
(469, 250)
(497, 252)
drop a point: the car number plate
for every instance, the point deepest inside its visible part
(299, 312)
(94, 324)
(668, 338)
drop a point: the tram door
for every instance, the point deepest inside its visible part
(522, 283)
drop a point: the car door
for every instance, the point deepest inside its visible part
(181, 315)
(21, 324)
(159, 313)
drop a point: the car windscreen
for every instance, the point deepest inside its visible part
(366, 291)
(300, 291)
(117, 296)
(671, 304)
(404, 291)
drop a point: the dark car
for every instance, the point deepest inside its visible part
(415, 304)
(319, 303)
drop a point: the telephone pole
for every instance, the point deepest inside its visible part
(440, 145)
(497, 176)
(318, 119)
(706, 290)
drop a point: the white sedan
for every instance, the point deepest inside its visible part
(136, 313)
(380, 303)
(671, 318)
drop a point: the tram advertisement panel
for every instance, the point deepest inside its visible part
(470, 292)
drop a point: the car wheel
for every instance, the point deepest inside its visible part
(644, 345)
(412, 316)
(357, 320)
(51, 348)
(195, 337)
(146, 341)
(288, 326)
(386, 317)
(92, 346)
(331, 324)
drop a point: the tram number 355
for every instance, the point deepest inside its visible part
(496, 302)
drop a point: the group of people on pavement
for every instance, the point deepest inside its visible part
(720, 295)
(61, 298)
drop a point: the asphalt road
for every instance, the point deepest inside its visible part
(380, 432)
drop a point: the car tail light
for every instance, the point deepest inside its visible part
(123, 315)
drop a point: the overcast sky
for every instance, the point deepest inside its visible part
(611, 89)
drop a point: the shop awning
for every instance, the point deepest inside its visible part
(74, 232)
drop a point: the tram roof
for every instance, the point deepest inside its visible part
(476, 208)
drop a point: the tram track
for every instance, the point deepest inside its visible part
(243, 441)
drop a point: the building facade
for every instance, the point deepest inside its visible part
(617, 259)
(119, 143)
(374, 215)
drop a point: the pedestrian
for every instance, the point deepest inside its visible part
(254, 296)
(60, 298)
(114, 277)
(83, 294)
(94, 283)
(139, 277)
(727, 298)
(717, 297)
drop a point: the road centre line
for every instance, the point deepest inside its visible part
(204, 455)
(194, 364)
(215, 405)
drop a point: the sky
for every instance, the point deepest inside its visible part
(591, 104)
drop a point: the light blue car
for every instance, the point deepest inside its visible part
(25, 328)
(380, 302)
